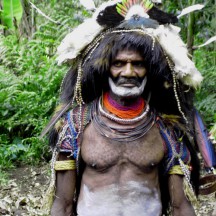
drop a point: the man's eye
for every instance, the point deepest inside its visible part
(138, 64)
(117, 64)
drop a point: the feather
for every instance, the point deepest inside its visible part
(190, 9)
(171, 118)
(77, 40)
(212, 39)
(161, 16)
(157, 1)
(194, 79)
(109, 17)
(129, 8)
(104, 6)
(205, 145)
(88, 4)
(58, 114)
(175, 48)
(137, 22)
(80, 37)
(136, 10)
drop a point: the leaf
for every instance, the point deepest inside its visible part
(2, 27)
(12, 13)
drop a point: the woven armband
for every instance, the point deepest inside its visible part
(65, 165)
(177, 170)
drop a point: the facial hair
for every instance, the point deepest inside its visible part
(127, 92)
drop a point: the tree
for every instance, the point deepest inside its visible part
(28, 24)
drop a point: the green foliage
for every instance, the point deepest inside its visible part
(30, 78)
(12, 13)
(3, 178)
(29, 85)
(204, 58)
(213, 130)
(206, 95)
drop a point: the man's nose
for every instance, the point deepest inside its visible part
(128, 70)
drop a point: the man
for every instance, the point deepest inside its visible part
(124, 145)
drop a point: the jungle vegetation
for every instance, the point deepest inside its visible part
(30, 77)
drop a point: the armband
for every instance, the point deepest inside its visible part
(177, 170)
(65, 165)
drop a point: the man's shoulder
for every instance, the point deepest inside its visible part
(79, 114)
(80, 110)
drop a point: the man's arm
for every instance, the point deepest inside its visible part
(65, 188)
(179, 203)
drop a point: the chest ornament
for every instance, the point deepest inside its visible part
(122, 120)
(130, 130)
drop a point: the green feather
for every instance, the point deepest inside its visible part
(122, 8)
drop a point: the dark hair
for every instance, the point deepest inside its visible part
(96, 71)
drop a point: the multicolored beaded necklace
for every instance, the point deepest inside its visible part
(124, 112)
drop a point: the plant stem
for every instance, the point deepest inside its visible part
(190, 31)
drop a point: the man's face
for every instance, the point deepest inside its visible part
(127, 74)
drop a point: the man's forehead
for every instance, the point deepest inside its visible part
(126, 54)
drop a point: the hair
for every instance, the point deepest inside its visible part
(94, 81)
(96, 70)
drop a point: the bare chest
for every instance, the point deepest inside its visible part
(104, 152)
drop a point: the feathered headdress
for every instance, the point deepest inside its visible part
(131, 14)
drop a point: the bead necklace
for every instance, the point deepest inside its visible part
(123, 112)
(120, 120)
(125, 134)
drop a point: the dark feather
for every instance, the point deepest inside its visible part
(109, 17)
(137, 22)
(161, 16)
(55, 118)
(53, 137)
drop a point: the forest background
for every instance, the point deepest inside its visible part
(30, 78)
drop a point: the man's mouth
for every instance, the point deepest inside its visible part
(127, 85)
(127, 82)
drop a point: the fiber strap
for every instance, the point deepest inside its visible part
(65, 165)
(207, 184)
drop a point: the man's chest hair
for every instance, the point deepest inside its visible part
(102, 151)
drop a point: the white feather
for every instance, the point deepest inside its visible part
(176, 50)
(212, 39)
(77, 40)
(88, 4)
(80, 37)
(157, 1)
(194, 79)
(190, 9)
(138, 10)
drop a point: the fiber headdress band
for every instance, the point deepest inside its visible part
(127, 15)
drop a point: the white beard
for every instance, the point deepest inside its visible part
(126, 92)
(132, 199)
